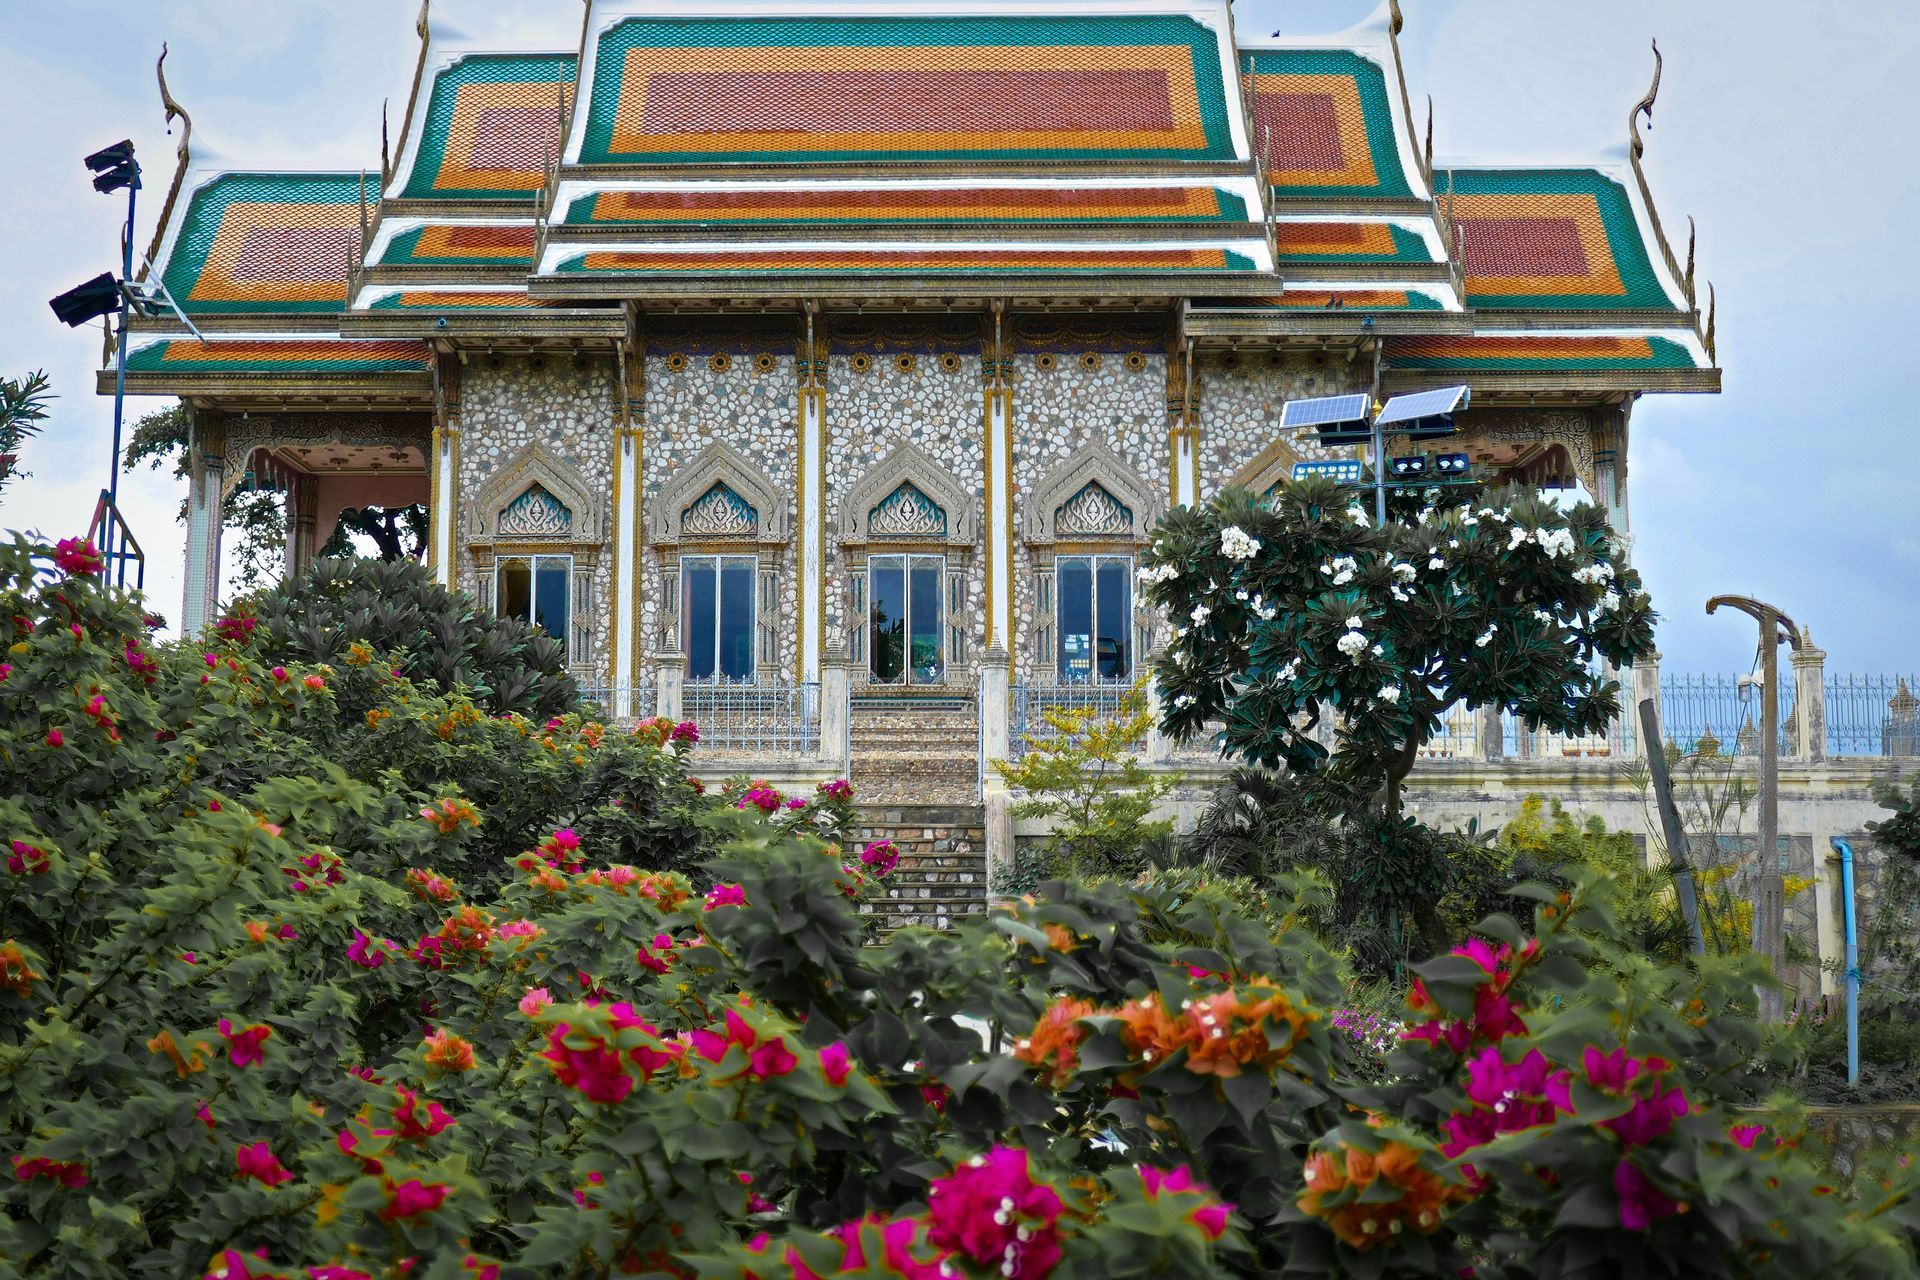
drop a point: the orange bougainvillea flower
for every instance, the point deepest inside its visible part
(183, 1065)
(16, 975)
(430, 885)
(1055, 1041)
(1149, 1032)
(448, 1053)
(1226, 1034)
(1345, 1188)
(448, 815)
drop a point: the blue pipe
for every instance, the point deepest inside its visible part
(1845, 850)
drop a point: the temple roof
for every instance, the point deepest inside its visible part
(264, 243)
(1553, 239)
(917, 85)
(708, 154)
(490, 128)
(1325, 123)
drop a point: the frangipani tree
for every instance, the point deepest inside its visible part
(1289, 609)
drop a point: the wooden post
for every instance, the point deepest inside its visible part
(1677, 859)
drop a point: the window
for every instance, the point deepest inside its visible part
(537, 589)
(905, 618)
(1096, 617)
(716, 616)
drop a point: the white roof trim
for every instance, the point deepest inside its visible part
(1255, 249)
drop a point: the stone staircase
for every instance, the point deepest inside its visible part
(943, 861)
(913, 751)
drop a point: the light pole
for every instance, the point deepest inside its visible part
(1770, 892)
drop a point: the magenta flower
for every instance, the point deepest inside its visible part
(771, 1058)
(414, 1121)
(835, 1065)
(245, 1046)
(55, 738)
(686, 731)
(370, 953)
(259, 1163)
(991, 1210)
(1641, 1203)
(796, 803)
(838, 789)
(28, 859)
(536, 999)
(880, 857)
(726, 895)
(414, 1197)
(1210, 1216)
(78, 557)
(1744, 1135)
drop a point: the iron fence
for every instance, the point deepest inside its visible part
(1032, 702)
(762, 719)
(1616, 742)
(1872, 716)
(1458, 738)
(636, 701)
(1723, 710)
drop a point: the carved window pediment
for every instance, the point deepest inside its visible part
(1093, 513)
(535, 514)
(907, 513)
(720, 513)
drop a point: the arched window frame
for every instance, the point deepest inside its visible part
(1046, 541)
(583, 541)
(722, 464)
(909, 464)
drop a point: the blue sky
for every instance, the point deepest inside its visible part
(1783, 128)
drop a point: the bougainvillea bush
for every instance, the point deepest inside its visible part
(296, 1024)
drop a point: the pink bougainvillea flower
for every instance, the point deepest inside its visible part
(246, 1045)
(78, 557)
(838, 789)
(759, 796)
(835, 1065)
(536, 999)
(231, 1264)
(370, 953)
(1744, 1135)
(417, 1119)
(771, 1058)
(686, 732)
(1651, 1117)
(880, 857)
(413, 1197)
(279, 675)
(204, 1113)
(726, 895)
(55, 738)
(315, 682)
(1641, 1203)
(1209, 1214)
(25, 859)
(336, 1273)
(991, 1210)
(68, 1173)
(258, 1162)
(6, 669)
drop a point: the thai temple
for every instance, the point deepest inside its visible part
(816, 368)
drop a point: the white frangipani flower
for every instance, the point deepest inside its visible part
(1237, 544)
(1388, 693)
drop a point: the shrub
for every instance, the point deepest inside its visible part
(263, 1030)
(437, 636)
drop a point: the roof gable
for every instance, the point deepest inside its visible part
(265, 242)
(1013, 87)
(491, 126)
(1325, 122)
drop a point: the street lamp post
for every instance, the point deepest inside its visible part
(1770, 892)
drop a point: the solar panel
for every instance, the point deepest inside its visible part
(1324, 411)
(1424, 404)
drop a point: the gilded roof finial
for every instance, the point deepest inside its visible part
(1429, 160)
(1693, 234)
(1713, 306)
(183, 153)
(1645, 105)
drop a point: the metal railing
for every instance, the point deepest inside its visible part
(1872, 715)
(1032, 702)
(1722, 709)
(636, 701)
(764, 719)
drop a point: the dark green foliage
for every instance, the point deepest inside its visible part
(23, 411)
(442, 636)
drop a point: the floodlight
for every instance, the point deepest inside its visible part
(1339, 470)
(1339, 419)
(1453, 464)
(114, 167)
(99, 296)
(1410, 468)
(1424, 414)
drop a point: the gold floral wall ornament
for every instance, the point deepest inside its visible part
(1045, 361)
(676, 363)
(860, 363)
(720, 362)
(1136, 361)
(906, 362)
(764, 362)
(950, 362)
(1090, 360)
